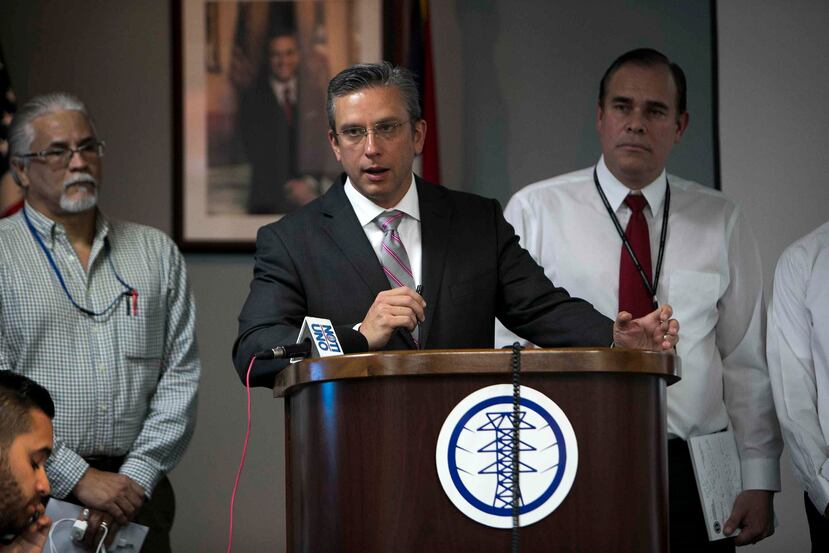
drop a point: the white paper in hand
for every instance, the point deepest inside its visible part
(717, 469)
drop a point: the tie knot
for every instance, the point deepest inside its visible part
(636, 202)
(388, 220)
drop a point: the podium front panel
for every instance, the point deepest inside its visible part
(361, 473)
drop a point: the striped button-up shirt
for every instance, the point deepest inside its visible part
(124, 382)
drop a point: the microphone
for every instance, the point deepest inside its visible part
(290, 351)
(317, 338)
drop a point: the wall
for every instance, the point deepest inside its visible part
(518, 87)
(772, 81)
(122, 71)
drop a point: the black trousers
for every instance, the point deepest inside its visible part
(157, 513)
(818, 527)
(686, 520)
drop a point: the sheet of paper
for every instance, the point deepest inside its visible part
(129, 539)
(717, 469)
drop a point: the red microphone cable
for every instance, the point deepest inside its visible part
(244, 455)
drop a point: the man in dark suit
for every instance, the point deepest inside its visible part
(282, 126)
(337, 257)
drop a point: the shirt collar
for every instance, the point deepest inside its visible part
(49, 228)
(616, 192)
(367, 211)
(278, 86)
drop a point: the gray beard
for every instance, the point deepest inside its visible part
(85, 202)
(13, 519)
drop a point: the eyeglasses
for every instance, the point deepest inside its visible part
(354, 136)
(58, 157)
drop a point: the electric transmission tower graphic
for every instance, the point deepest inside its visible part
(474, 456)
(501, 425)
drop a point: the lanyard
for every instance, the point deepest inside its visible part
(666, 209)
(130, 291)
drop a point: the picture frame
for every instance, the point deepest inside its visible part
(250, 124)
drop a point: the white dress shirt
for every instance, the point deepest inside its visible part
(711, 276)
(798, 355)
(284, 91)
(408, 229)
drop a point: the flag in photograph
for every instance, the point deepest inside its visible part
(11, 198)
(7, 109)
(408, 42)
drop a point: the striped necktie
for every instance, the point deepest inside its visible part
(393, 256)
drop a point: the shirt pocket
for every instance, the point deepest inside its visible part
(693, 295)
(143, 331)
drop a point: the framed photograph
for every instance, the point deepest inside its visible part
(251, 125)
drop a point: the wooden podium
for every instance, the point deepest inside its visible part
(360, 440)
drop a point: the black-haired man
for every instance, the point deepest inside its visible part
(26, 412)
(359, 254)
(691, 247)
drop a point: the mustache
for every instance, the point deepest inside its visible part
(636, 145)
(76, 178)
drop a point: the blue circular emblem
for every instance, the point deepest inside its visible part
(475, 456)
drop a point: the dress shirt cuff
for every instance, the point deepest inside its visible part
(145, 475)
(818, 488)
(761, 474)
(818, 491)
(65, 469)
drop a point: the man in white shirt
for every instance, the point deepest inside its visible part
(798, 356)
(703, 261)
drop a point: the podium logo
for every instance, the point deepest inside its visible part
(474, 456)
(325, 338)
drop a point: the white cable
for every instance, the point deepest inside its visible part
(52, 530)
(100, 549)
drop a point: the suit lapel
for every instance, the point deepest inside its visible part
(272, 105)
(435, 219)
(340, 223)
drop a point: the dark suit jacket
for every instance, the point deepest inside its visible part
(279, 150)
(318, 262)
(270, 145)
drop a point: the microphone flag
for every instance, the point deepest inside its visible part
(324, 340)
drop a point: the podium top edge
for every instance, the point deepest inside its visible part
(475, 362)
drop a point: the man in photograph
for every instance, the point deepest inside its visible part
(282, 126)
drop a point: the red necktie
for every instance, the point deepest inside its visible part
(288, 105)
(633, 296)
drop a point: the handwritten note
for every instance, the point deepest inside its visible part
(717, 469)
